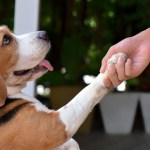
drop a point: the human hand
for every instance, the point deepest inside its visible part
(116, 72)
(137, 49)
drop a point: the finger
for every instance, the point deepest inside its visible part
(120, 67)
(128, 66)
(103, 67)
(110, 52)
(107, 82)
(112, 74)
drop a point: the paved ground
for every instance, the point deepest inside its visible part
(100, 141)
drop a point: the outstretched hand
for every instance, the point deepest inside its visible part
(137, 49)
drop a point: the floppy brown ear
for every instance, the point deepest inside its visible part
(3, 91)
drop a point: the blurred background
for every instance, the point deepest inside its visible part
(81, 32)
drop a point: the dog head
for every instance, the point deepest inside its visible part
(8, 59)
(31, 49)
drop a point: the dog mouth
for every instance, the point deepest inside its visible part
(43, 66)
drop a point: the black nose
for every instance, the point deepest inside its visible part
(43, 35)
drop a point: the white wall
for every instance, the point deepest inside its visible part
(27, 20)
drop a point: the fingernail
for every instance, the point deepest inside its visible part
(129, 60)
(121, 59)
(102, 69)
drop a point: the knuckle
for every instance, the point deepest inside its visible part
(121, 78)
(107, 82)
(111, 73)
(112, 48)
(117, 83)
(128, 75)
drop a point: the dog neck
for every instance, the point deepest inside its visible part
(11, 90)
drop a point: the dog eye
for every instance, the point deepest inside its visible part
(6, 40)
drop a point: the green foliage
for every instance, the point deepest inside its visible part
(72, 57)
(83, 30)
(7, 13)
(132, 84)
(52, 78)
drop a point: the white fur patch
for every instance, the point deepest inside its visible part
(37, 104)
(32, 50)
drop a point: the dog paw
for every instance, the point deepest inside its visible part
(102, 79)
(114, 58)
(110, 77)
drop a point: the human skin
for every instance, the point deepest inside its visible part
(137, 49)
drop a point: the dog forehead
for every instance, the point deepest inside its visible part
(4, 29)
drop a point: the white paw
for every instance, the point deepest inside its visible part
(114, 58)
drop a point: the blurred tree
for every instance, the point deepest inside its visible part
(82, 31)
(7, 13)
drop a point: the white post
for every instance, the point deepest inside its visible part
(26, 20)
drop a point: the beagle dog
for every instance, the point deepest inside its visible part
(25, 123)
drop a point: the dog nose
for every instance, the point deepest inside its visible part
(43, 35)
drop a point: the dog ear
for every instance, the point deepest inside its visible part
(3, 91)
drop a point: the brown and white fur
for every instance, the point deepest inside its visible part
(25, 123)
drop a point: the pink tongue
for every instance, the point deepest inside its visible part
(46, 64)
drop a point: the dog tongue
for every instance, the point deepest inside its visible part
(46, 64)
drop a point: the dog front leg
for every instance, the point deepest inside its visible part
(76, 111)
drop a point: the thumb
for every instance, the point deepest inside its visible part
(103, 66)
(110, 52)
